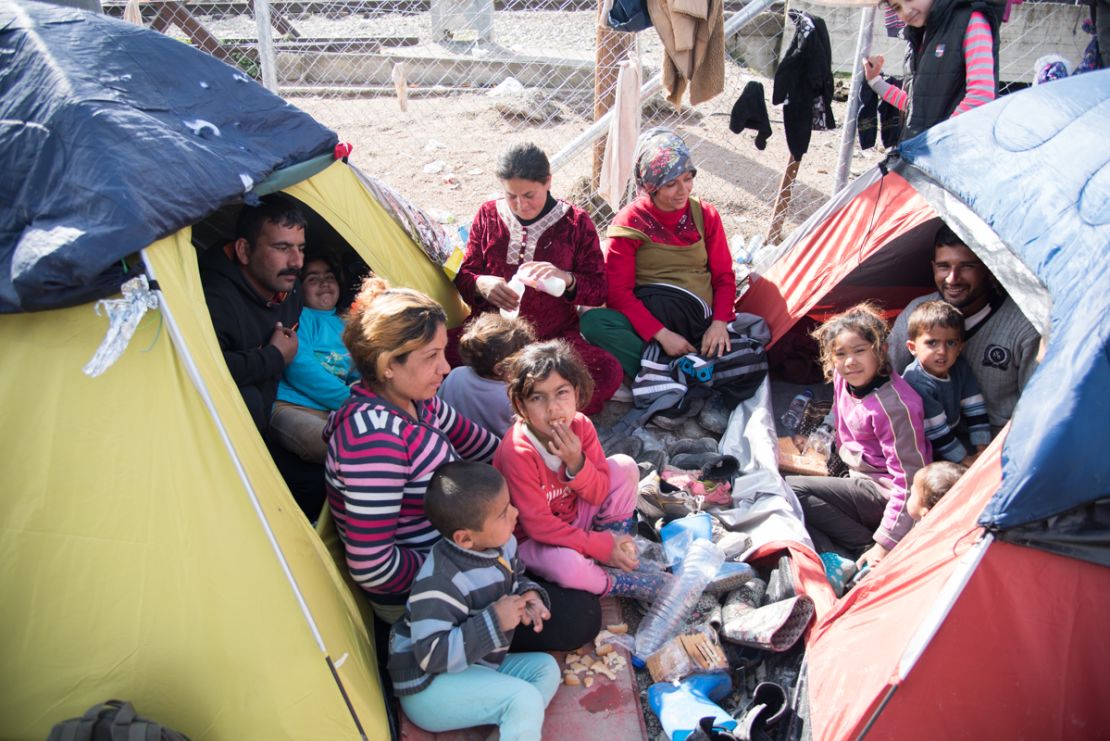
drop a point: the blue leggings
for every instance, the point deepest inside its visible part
(512, 697)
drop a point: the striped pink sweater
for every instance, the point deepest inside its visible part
(379, 463)
(977, 60)
(882, 436)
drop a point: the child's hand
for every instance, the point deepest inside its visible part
(872, 66)
(624, 554)
(509, 611)
(567, 446)
(872, 557)
(535, 611)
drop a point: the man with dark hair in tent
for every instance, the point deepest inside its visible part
(254, 296)
(999, 342)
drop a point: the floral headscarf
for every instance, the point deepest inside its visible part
(661, 156)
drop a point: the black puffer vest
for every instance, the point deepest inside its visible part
(936, 79)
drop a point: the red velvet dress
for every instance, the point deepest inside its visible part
(566, 238)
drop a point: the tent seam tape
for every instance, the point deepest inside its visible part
(194, 375)
(950, 592)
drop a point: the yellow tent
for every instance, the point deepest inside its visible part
(150, 551)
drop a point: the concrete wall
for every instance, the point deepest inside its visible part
(1034, 29)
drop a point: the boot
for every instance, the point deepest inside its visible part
(644, 586)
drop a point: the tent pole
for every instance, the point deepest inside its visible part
(194, 375)
(848, 137)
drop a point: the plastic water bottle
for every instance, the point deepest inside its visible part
(796, 412)
(552, 285)
(517, 286)
(677, 600)
(820, 441)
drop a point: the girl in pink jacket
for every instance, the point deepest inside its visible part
(577, 507)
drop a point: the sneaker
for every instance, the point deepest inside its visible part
(630, 446)
(672, 419)
(729, 577)
(656, 499)
(839, 571)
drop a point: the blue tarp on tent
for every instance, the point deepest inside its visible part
(1035, 167)
(104, 150)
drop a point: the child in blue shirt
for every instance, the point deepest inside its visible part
(945, 382)
(319, 378)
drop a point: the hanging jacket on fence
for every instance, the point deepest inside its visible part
(936, 76)
(693, 47)
(877, 117)
(804, 82)
(630, 16)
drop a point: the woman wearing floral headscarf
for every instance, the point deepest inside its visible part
(666, 238)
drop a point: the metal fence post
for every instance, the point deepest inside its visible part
(266, 59)
(851, 118)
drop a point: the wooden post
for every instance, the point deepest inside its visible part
(611, 49)
(782, 201)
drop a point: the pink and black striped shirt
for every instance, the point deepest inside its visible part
(978, 61)
(379, 462)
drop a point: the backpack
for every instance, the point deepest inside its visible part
(114, 720)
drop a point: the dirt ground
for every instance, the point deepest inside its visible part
(465, 134)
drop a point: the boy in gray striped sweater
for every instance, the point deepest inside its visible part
(448, 655)
(939, 374)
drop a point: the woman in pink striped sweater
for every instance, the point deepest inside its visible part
(951, 61)
(388, 438)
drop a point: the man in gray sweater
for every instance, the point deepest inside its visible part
(1000, 343)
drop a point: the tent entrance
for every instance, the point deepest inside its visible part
(321, 240)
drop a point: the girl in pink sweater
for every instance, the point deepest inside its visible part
(880, 434)
(577, 507)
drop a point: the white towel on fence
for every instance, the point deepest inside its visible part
(624, 130)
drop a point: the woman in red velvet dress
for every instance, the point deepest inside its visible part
(535, 236)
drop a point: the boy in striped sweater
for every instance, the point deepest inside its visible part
(944, 381)
(448, 655)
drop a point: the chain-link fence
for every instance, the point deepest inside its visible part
(430, 91)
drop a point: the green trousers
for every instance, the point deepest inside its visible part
(610, 330)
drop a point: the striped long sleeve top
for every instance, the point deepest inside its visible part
(948, 402)
(379, 462)
(978, 61)
(881, 435)
(449, 623)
